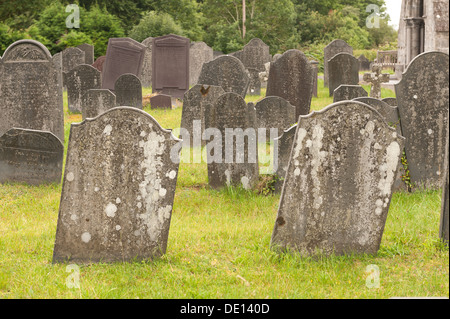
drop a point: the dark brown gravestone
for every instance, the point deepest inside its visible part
(71, 57)
(146, 70)
(348, 92)
(128, 91)
(30, 94)
(98, 64)
(423, 105)
(292, 77)
(161, 101)
(96, 102)
(335, 47)
(123, 55)
(29, 156)
(343, 68)
(118, 189)
(78, 81)
(88, 50)
(170, 65)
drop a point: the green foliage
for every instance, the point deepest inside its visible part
(155, 24)
(74, 38)
(20, 14)
(8, 36)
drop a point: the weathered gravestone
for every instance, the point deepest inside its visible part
(444, 223)
(423, 104)
(161, 101)
(232, 150)
(343, 68)
(96, 102)
(128, 91)
(348, 92)
(30, 94)
(217, 54)
(338, 186)
(284, 145)
(292, 78)
(376, 78)
(88, 53)
(57, 62)
(71, 57)
(30, 156)
(199, 53)
(274, 113)
(335, 47)
(195, 102)
(255, 54)
(78, 81)
(98, 64)
(225, 71)
(170, 65)
(118, 189)
(364, 63)
(146, 70)
(392, 101)
(315, 66)
(123, 55)
(254, 86)
(276, 57)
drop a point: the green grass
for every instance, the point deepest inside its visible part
(219, 247)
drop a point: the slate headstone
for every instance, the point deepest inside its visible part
(78, 81)
(199, 53)
(161, 101)
(88, 50)
(128, 91)
(118, 189)
(96, 102)
(348, 92)
(315, 66)
(255, 54)
(333, 48)
(71, 57)
(343, 68)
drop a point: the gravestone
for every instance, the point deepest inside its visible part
(338, 186)
(57, 62)
(217, 54)
(30, 156)
(128, 91)
(78, 81)
(444, 222)
(232, 153)
(274, 112)
(31, 95)
(98, 64)
(225, 71)
(71, 57)
(376, 78)
(335, 47)
(96, 102)
(423, 104)
(88, 53)
(284, 145)
(254, 86)
(170, 65)
(123, 55)
(161, 101)
(199, 53)
(292, 78)
(364, 63)
(392, 101)
(315, 66)
(348, 92)
(118, 189)
(195, 102)
(255, 54)
(146, 70)
(276, 57)
(343, 68)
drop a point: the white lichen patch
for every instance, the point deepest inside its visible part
(389, 168)
(107, 130)
(70, 177)
(111, 210)
(228, 177)
(245, 181)
(118, 227)
(317, 162)
(162, 192)
(172, 174)
(85, 237)
(118, 200)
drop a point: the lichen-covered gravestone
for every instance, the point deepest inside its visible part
(199, 53)
(118, 189)
(254, 87)
(255, 54)
(88, 50)
(343, 68)
(348, 92)
(30, 91)
(30, 156)
(146, 70)
(333, 48)
(71, 57)
(292, 78)
(364, 63)
(96, 102)
(423, 104)
(284, 145)
(338, 186)
(227, 72)
(128, 91)
(78, 81)
(392, 101)
(232, 152)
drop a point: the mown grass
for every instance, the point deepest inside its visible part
(219, 247)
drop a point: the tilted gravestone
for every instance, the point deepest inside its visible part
(88, 53)
(31, 96)
(146, 70)
(170, 65)
(284, 145)
(71, 57)
(78, 81)
(195, 102)
(30, 156)
(128, 91)
(123, 55)
(423, 104)
(96, 102)
(199, 53)
(161, 101)
(343, 68)
(348, 92)
(444, 223)
(255, 54)
(292, 78)
(118, 189)
(333, 48)
(225, 71)
(338, 186)
(232, 152)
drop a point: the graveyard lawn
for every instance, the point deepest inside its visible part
(219, 246)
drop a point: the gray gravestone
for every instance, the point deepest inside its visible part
(254, 87)
(217, 54)
(348, 92)
(57, 62)
(255, 55)
(444, 222)
(315, 66)
(30, 91)
(71, 57)
(96, 102)
(30, 156)
(343, 68)
(88, 53)
(225, 71)
(146, 70)
(195, 102)
(199, 54)
(233, 155)
(170, 65)
(284, 145)
(423, 104)
(276, 57)
(128, 91)
(292, 78)
(335, 47)
(338, 186)
(392, 101)
(123, 55)
(118, 189)
(161, 101)
(78, 81)
(364, 63)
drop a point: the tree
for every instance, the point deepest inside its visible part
(155, 24)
